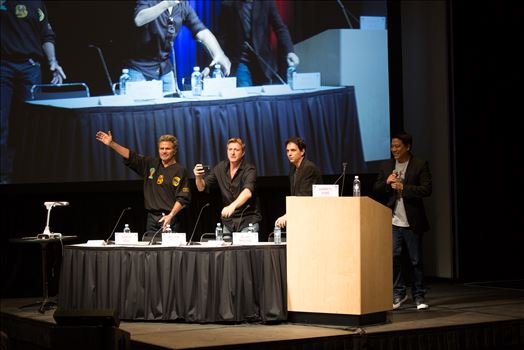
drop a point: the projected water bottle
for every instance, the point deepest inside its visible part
(124, 78)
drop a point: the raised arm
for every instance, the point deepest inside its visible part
(107, 139)
(150, 14)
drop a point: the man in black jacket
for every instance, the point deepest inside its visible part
(243, 28)
(405, 180)
(303, 173)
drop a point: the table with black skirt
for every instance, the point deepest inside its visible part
(190, 283)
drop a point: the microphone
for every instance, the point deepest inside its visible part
(154, 235)
(242, 214)
(104, 65)
(344, 165)
(345, 11)
(196, 223)
(114, 228)
(265, 62)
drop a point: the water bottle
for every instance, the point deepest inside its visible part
(124, 78)
(250, 228)
(168, 229)
(196, 82)
(217, 72)
(277, 238)
(356, 187)
(291, 69)
(219, 232)
(126, 229)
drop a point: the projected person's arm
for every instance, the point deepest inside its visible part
(107, 139)
(150, 14)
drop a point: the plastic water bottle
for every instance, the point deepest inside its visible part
(168, 229)
(250, 228)
(219, 232)
(277, 238)
(124, 78)
(127, 229)
(356, 187)
(217, 72)
(291, 69)
(196, 82)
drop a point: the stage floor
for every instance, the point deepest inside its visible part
(451, 305)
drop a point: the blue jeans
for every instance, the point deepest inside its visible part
(243, 75)
(168, 79)
(16, 80)
(413, 242)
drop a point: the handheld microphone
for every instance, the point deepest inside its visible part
(114, 228)
(265, 62)
(154, 235)
(196, 224)
(242, 214)
(106, 71)
(345, 11)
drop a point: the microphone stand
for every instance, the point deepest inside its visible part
(104, 65)
(196, 224)
(154, 235)
(346, 11)
(241, 215)
(343, 177)
(265, 63)
(118, 221)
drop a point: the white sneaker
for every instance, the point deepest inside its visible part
(422, 306)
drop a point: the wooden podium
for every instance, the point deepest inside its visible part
(339, 260)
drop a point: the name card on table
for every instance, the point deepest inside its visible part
(325, 190)
(213, 86)
(173, 239)
(144, 90)
(306, 81)
(126, 237)
(245, 238)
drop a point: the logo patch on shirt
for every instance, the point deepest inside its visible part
(151, 173)
(176, 181)
(185, 189)
(41, 15)
(160, 180)
(21, 11)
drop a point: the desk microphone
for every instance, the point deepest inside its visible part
(196, 223)
(242, 214)
(154, 235)
(346, 11)
(106, 71)
(265, 62)
(343, 177)
(114, 228)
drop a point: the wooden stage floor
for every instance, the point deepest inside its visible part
(460, 317)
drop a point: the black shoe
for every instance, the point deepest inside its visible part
(397, 301)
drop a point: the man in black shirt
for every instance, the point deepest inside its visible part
(158, 24)
(303, 173)
(236, 180)
(27, 39)
(166, 184)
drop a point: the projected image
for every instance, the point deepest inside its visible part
(343, 116)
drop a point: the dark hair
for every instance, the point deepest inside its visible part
(297, 141)
(406, 138)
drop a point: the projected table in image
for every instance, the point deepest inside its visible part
(56, 142)
(195, 284)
